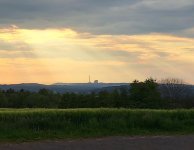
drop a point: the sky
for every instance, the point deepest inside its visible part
(49, 41)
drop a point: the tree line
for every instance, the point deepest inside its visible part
(166, 94)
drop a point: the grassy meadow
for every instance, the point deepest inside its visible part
(39, 124)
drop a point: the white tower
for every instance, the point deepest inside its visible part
(89, 79)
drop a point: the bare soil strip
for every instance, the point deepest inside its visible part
(110, 143)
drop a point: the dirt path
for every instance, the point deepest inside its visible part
(110, 143)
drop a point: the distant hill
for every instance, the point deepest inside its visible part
(69, 87)
(65, 87)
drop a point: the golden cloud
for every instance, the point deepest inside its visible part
(58, 53)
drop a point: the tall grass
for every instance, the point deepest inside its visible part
(31, 124)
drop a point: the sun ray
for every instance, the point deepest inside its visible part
(50, 55)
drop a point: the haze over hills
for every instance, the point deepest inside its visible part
(65, 87)
(68, 87)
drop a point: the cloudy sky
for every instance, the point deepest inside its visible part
(49, 41)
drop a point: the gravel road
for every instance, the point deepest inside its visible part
(110, 143)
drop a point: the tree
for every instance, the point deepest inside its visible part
(115, 97)
(174, 88)
(145, 94)
(3, 100)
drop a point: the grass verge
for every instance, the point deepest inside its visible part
(41, 124)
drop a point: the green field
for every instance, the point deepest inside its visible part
(39, 124)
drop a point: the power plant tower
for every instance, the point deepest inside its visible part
(89, 79)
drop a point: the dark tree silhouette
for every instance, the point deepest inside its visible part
(174, 88)
(145, 93)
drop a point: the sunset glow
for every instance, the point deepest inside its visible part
(54, 55)
(67, 45)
